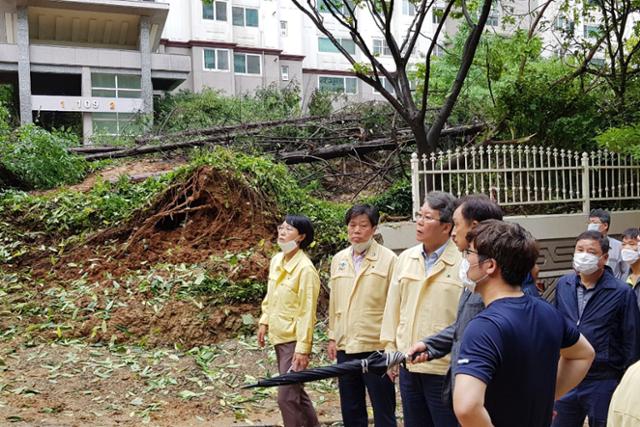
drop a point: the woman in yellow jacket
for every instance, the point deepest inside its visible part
(289, 315)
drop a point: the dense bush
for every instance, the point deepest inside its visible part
(40, 159)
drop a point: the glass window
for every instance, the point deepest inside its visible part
(351, 84)
(253, 64)
(331, 84)
(128, 81)
(103, 93)
(494, 18)
(207, 11)
(239, 63)
(129, 93)
(436, 15)
(209, 59)
(380, 47)
(408, 8)
(221, 10)
(283, 28)
(105, 123)
(284, 72)
(223, 59)
(103, 80)
(325, 45)
(237, 16)
(349, 45)
(591, 31)
(251, 17)
(386, 84)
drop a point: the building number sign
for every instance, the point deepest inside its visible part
(88, 105)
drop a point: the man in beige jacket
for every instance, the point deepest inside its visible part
(360, 277)
(422, 300)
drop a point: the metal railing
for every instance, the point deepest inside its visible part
(527, 175)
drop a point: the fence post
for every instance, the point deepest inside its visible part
(415, 184)
(586, 194)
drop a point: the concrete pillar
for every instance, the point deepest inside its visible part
(24, 67)
(87, 122)
(145, 62)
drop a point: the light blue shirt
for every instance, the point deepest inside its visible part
(430, 259)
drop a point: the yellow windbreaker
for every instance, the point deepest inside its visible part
(289, 308)
(624, 410)
(420, 305)
(357, 301)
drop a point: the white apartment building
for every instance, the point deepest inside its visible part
(105, 59)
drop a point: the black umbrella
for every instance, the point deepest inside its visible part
(377, 363)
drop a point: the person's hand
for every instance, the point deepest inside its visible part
(418, 347)
(332, 350)
(262, 331)
(393, 373)
(300, 362)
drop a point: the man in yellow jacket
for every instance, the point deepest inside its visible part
(422, 300)
(360, 277)
(624, 409)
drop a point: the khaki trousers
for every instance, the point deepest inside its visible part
(295, 405)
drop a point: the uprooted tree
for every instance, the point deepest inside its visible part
(394, 83)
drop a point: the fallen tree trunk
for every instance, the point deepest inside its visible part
(342, 150)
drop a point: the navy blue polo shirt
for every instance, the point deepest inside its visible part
(513, 346)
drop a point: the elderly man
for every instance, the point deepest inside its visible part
(360, 277)
(422, 300)
(606, 313)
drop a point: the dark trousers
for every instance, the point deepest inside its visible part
(591, 399)
(295, 405)
(353, 404)
(422, 403)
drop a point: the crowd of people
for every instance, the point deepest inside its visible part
(483, 347)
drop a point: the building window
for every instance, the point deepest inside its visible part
(386, 84)
(216, 59)
(338, 84)
(591, 31)
(325, 45)
(562, 23)
(216, 10)
(244, 17)
(436, 15)
(115, 85)
(408, 8)
(494, 17)
(244, 63)
(284, 72)
(380, 47)
(284, 31)
(115, 123)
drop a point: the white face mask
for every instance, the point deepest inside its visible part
(463, 274)
(361, 247)
(585, 263)
(629, 255)
(288, 247)
(593, 227)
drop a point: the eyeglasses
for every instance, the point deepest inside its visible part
(467, 252)
(285, 228)
(419, 216)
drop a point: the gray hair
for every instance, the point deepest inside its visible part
(442, 202)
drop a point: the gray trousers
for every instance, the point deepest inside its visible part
(295, 405)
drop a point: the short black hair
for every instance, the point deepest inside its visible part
(512, 247)
(596, 236)
(304, 226)
(602, 215)
(479, 207)
(443, 203)
(370, 211)
(631, 233)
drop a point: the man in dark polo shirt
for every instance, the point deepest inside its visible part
(520, 353)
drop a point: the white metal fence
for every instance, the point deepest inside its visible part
(527, 175)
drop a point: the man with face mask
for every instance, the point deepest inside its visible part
(360, 277)
(630, 254)
(519, 353)
(606, 312)
(600, 220)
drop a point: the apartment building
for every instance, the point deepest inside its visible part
(97, 59)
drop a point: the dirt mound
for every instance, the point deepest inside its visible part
(212, 220)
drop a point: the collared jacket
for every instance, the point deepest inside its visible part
(420, 305)
(356, 302)
(636, 287)
(289, 308)
(624, 409)
(610, 322)
(618, 266)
